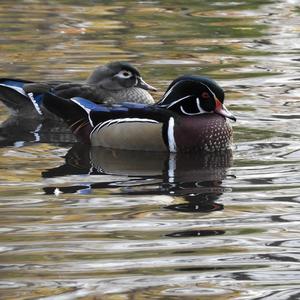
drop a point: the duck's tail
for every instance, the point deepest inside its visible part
(13, 95)
(76, 115)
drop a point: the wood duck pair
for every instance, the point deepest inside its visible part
(190, 117)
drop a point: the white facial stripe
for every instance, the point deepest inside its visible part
(198, 104)
(174, 102)
(171, 137)
(190, 114)
(171, 89)
(201, 110)
(168, 93)
(210, 90)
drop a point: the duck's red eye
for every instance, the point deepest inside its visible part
(205, 95)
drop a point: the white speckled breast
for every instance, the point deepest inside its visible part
(209, 132)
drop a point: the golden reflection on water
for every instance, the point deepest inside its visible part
(89, 225)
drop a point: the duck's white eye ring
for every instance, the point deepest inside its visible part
(124, 74)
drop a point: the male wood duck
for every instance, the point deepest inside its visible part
(190, 117)
(113, 83)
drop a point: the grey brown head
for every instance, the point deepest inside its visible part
(118, 82)
(117, 76)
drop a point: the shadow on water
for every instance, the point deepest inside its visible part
(21, 131)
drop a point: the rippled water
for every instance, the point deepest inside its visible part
(81, 223)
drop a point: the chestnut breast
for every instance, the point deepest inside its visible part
(209, 132)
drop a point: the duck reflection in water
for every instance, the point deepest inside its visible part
(195, 178)
(23, 131)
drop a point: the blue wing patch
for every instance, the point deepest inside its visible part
(88, 105)
(134, 105)
(15, 83)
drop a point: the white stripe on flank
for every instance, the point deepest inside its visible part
(171, 137)
(121, 120)
(101, 125)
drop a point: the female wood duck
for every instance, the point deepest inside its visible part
(112, 83)
(190, 117)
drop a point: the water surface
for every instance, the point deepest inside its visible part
(83, 223)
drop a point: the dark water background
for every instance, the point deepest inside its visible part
(80, 223)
